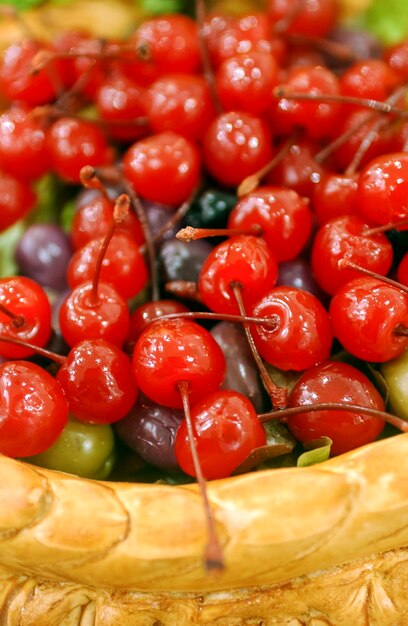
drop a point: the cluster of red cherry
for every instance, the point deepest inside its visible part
(313, 136)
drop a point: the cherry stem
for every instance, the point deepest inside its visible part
(332, 48)
(208, 71)
(43, 61)
(149, 243)
(285, 22)
(375, 105)
(17, 321)
(345, 264)
(384, 228)
(372, 134)
(277, 394)
(191, 234)
(401, 330)
(273, 321)
(250, 183)
(214, 560)
(90, 180)
(120, 213)
(341, 139)
(285, 414)
(53, 356)
(175, 219)
(184, 289)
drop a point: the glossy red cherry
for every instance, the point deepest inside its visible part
(284, 217)
(365, 314)
(146, 313)
(245, 82)
(303, 336)
(17, 199)
(33, 409)
(123, 266)
(180, 103)
(83, 315)
(383, 189)
(23, 149)
(73, 143)
(244, 260)
(344, 238)
(335, 195)
(226, 429)
(93, 219)
(311, 17)
(402, 270)
(28, 317)
(98, 382)
(336, 382)
(236, 145)
(172, 351)
(164, 168)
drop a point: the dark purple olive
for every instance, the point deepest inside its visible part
(362, 45)
(297, 273)
(158, 215)
(183, 261)
(150, 429)
(242, 373)
(43, 254)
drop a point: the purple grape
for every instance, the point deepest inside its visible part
(150, 429)
(158, 215)
(242, 373)
(297, 273)
(43, 254)
(183, 261)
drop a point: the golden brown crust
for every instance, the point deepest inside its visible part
(274, 525)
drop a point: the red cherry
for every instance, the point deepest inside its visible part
(335, 195)
(164, 168)
(19, 82)
(74, 143)
(344, 238)
(303, 335)
(316, 117)
(146, 313)
(365, 314)
(371, 78)
(120, 100)
(383, 189)
(28, 304)
(93, 220)
(33, 409)
(123, 265)
(245, 82)
(402, 270)
(310, 17)
(170, 43)
(180, 103)
(236, 145)
(336, 382)
(226, 429)
(298, 169)
(23, 149)
(98, 382)
(172, 351)
(245, 260)
(284, 217)
(17, 199)
(82, 316)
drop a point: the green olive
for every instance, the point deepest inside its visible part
(395, 373)
(87, 450)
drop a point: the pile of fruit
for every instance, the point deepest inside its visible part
(204, 231)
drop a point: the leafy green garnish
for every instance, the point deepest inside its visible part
(9, 239)
(388, 20)
(279, 442)
(317, 452)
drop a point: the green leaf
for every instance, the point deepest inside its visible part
(22, 5)
(279, 442)
(388, 19)
(318, 451)
(8, 241)
(162, 6)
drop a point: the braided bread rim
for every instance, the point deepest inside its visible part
(274, 525)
